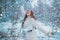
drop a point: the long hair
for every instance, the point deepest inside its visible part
(27, 16)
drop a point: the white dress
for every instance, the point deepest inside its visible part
(31, 24)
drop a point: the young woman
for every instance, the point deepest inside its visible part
(30, 24)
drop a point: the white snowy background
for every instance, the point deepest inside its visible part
(12, 13)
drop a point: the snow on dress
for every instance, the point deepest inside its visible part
(29, 27)
(30, 33)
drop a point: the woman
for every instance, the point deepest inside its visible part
(29, 25)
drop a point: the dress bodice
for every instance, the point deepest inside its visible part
(27, 24)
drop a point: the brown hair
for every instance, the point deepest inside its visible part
(27, 16)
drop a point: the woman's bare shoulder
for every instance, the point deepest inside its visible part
(32, 19)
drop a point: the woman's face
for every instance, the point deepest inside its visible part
(28, 13)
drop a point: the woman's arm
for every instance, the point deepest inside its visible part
(41, 26)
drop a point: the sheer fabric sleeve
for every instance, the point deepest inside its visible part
(41, 26)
